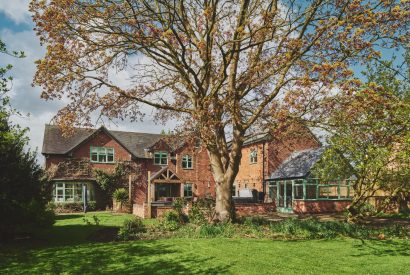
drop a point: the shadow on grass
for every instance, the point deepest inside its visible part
(383, 248)
(148, 257)
(69, 216)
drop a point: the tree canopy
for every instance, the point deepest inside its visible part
(220, 67)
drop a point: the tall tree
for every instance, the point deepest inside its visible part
(217, 66)
(23, 196)
(369, 135)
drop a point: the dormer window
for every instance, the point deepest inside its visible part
(102, 154)
(254, 156)
(161, 158)
(187, 162)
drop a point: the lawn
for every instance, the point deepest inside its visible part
(66, 249)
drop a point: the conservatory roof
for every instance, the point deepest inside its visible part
(298, 165)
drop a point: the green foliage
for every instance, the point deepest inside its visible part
(120, 195)
(254, 221)
(109, 182)
(131, 229)
(313, 229)
(70, 207)
(178, 206)
(370, 136)
(24, 191)
(170, 221)
(217, 230)
(96, 220)
(202, 211)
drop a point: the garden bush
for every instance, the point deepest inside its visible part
(132, 229)
(70, 207)
(226, 230)
(170, 221)
(202, 211)
(120, 195)
(314, 229)
(178, 205)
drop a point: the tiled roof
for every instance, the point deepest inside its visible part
(299, 164)
(134, 142)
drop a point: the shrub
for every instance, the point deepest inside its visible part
(170, 221)
(120, 195)
(91, 206)
(69, 207)
(217, 230)
(131, 229)
(178, 206)
(202, 211)
(255, 221)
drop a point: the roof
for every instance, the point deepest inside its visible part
(299, 164)
(134, 142)
(256, 138)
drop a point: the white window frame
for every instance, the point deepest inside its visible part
(161, 153)
(192, 189)
(187, 159)
(253, 156)
(62, 186)
(102, 152)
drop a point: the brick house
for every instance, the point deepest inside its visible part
(181, 170)
(167, 169)
(263, 153)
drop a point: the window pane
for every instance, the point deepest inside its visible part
(110, 158)
(110, 150)
(94, 157)
(94, 149)
(102, 158)
(188, 190)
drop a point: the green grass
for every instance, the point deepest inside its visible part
(65, 249)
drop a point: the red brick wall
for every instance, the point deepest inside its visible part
(312, 207)
(200, 175)
(100, 139)
(276, 151)
(250, 174)
(248, 209)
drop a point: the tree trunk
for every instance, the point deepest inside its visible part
(224, 175)
(224, 207)
(402, 201)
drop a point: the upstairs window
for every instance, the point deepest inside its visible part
(188, 190)
(187, 162)
(102, 154)
(160, 158)
(254, 156)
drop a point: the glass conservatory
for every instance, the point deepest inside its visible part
(309, 195)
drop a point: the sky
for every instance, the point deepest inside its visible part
(16, 30)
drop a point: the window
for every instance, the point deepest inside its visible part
(254, 156)
(187, 162)
(188, 190)
(102, 154)
(233, 190)
(160, 158)
(71, 192)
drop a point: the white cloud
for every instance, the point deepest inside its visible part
(16, 10)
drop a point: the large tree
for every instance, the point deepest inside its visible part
(369, 134)
(23, 192)
(217, 66)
